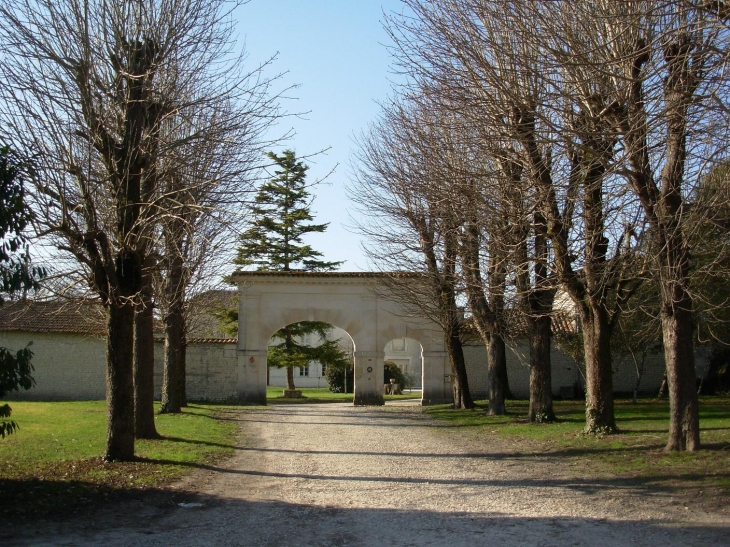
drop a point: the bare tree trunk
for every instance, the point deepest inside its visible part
(664, 208)
(172, 373)
(536, 301)
(487, 313)
(184, 368)
(541, 389)
(120, 383)
(173, 377)
(599, 376)
(663, 387)
(496, 361)
(462, 396)
(144, 361)
(451, 321)
(684, 423)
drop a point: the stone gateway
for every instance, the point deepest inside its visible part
(355, 302)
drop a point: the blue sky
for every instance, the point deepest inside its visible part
(334, 50)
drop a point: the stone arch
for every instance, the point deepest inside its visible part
(350, 343)
(352, 301)
(407, 353)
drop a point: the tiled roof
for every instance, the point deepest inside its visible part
(54, 316)
(516, 325)
(212, 341)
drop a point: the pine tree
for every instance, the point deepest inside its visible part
(281, 217)
(274, 243)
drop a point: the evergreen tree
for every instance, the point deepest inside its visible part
(274, 243)
(16, 275)
(281, 218)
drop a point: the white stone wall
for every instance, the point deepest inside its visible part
(72, 367)
(211, 373)
(67, 366)
(565, 372)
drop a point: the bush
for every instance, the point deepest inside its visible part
(394, 372)
(336, 378)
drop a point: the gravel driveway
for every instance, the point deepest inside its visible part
(328, 475)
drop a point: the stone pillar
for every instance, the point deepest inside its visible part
(437, 381)
(251, 368)
(369, 378)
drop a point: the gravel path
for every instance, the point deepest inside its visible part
(329, 475)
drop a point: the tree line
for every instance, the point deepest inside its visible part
(142, 131)
(575, 149)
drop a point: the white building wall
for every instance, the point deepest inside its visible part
(407, 354)
(314, 376)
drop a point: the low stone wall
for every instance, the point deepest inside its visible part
(565, 371)
(67, 366)
(210, 371)
(72, 367)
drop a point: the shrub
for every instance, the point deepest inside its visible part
(394, 372)
(335, 376)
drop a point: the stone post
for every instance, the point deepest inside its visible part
(437, 381)
(251, 368)
(369, 378)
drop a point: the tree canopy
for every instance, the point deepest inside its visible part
(17, 275)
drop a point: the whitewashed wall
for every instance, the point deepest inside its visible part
(565, 372)
(71, 367)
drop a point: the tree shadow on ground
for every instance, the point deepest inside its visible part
(163, 517)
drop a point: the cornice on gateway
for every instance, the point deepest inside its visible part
(318, 277)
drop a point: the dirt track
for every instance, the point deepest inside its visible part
(330, 475)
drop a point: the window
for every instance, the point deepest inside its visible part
(304, 371)
(324, 369)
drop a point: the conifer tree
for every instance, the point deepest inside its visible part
(281, 218)
(274, 243)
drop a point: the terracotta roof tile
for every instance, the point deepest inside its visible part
(212, 341)
(54, 316)
(516, 325)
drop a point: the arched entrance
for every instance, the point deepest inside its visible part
(407, 354)
(353, 301)
(313, 375)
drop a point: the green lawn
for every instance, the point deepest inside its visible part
(324, 395)
(54, 458)
(635, 452)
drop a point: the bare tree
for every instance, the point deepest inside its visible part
(400, 193)
(205, 192)
(89, 87)
(666, 63)
(558, 143)
(435, 49)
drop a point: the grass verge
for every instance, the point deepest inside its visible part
(52, 463)
(636, 452)
(274, 395)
